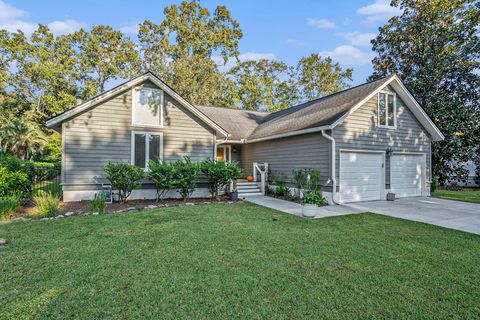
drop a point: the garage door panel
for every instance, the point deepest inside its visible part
(407, 174)
(361, 176)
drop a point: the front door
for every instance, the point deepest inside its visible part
(224, 153)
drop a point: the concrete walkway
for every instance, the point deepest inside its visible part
(296, 209)
(450, 214)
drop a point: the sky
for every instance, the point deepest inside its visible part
(281, 30)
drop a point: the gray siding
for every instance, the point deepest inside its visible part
(285, 154)
(360, 131)
(103, 133)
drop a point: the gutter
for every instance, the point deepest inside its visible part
(333, 159)
(215, 147)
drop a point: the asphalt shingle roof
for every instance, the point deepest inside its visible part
(243, 124)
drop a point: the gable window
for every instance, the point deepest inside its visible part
(146, 146)
(147, 107)
(387, 109)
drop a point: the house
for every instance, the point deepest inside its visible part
(366, 141)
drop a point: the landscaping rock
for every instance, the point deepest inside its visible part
(189, 204)
(95, 213)
(19, 219)
(152, 206)
(130, 209)
(3, 242)
(44, 219)
(60, 216)
(68, 214)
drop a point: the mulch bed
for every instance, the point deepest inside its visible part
(81, 207)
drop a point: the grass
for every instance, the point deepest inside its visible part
(466, 195)
(236, 261)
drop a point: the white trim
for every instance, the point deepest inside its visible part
(289, 134)
(147, 146)
(424, 191)
(148, 76)
(382, 178)
(411, 103)
(387, 93)
(225, 148)
(64, 158)
(135, 97)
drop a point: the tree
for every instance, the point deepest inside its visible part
(318, 77)
(104, 54)
(181, 49)
(42, 77)
(434, 47)
(22, 138)
(263, 83)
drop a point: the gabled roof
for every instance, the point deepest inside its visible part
(238, 123)
(320, 114)
(55, 121)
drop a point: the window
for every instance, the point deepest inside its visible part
(146, 146)
(387, 109)
(147, 107)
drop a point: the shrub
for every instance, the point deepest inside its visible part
(14, 183)
(8, 206)
(185, 174)
(312, 197)
(16, 165)
(123, 177)
(162, 175)
(234, 172)
(433, 185)
(313, 181)
(97, 204)
(47, 205)
(218, 175)
(299, 179)
(279, 180)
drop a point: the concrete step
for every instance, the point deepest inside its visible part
(247, 187)
(242, 195)
(247, 183)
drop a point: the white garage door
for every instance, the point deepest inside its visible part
(406, 174)
(361, 176)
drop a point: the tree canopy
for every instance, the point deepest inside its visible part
(434, 47)
(193, 50)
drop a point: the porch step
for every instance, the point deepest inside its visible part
(242, 195)
(246, 183)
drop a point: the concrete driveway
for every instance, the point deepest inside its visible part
(457, 215)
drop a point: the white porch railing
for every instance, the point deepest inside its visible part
(260, 171)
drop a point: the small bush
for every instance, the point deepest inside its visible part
(14, 183)
(14, 164)
(218, 175)
(312, 197)
(433, 185)
(235, 173)
(47, 205)
(97, 204)
(281, 189)
(8, 206)
(162, 175)
(185, 175)
(124, 177)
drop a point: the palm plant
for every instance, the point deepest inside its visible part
(22, 138)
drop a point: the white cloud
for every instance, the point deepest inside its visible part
(378, 11)
(359, 39)
(321, 23)
(67, 26)
(348, 55)
(13, 19)
(131, 28)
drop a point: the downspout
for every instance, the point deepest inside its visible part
(333, 159)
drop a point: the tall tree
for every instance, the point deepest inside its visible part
(182, 48)
(434, 47)
(263, 84)
(104, 54)
(42, 76)
(318, 77)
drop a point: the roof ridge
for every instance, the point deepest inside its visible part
(333, 94)
(235, 109)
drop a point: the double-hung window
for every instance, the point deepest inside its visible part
(146, 146)
(387, 109)
(147, 107)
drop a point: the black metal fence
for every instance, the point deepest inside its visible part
(47, 179)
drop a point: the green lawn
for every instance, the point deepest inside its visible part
(236, 261)
(467, 195)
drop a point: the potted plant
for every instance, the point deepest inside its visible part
(234, 173)
(310, 202)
